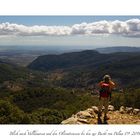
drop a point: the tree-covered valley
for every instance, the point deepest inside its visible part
(53, 87)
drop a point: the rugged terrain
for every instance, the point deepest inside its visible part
(82, 69)
(125, 115)
(53, 87)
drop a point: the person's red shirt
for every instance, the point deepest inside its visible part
(111, 86)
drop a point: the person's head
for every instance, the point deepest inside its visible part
(106, 78)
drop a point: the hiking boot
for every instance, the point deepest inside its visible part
(106, 117)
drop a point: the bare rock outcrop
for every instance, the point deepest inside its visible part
(125, 115)
(129, 110)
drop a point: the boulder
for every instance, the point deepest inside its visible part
(129, 110)
(84, 115)
(138, 114)
(95, 109)
(122, 110)
(83, 121)
(103, 108)
(91, 111)
(72, 120)
(136, 111)
(88, 116)
(111, 108)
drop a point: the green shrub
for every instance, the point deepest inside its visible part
(46, 116)
(11, 114)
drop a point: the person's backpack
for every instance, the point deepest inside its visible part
(105, 90)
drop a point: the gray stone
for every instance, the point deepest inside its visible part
(91, 111)
(122, 110)
(138, 114)
(71, 120)
(95, 109)
(111, 108)
(84, 115)
(136, 111)
(84, 121)
(129, 110)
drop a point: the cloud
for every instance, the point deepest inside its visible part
(15, 29)
(129, 28)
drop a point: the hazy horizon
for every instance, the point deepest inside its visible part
(53, 48)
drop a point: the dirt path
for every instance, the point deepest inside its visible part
(115, 117)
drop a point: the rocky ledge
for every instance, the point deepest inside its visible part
(125, 115)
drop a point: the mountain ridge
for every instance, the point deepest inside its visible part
(90, 66)
(76, 58)
(107, 50)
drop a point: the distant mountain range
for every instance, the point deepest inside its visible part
(23, 55)
(75, 69)
(118, 49)
(88, 67)
(64, 61)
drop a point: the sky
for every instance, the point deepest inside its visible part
(76, 32)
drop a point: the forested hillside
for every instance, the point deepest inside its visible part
(80, 69)
(53, 87)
